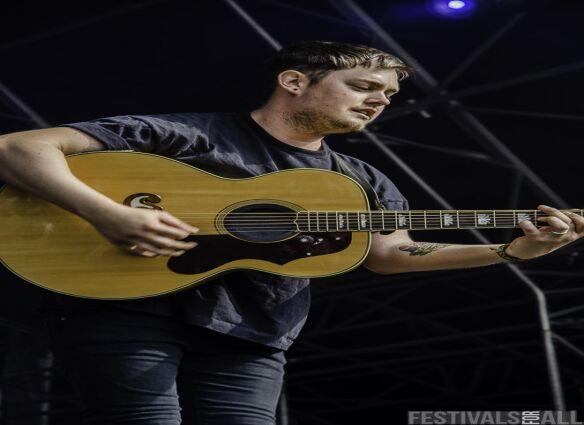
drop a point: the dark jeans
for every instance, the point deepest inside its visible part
(125, 366)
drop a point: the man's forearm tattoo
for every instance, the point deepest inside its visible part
(422, 248)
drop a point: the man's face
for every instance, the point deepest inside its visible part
(346, 100)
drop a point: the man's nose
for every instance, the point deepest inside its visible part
(380, 100)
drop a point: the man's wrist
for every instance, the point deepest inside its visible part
(501, 251)
(97, 209)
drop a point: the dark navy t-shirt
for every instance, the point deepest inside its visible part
(252, 305)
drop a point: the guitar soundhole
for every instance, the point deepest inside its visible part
(261, 222)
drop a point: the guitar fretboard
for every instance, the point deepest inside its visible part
(374, 221)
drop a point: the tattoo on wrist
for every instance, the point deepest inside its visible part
(422, 248)
(500, 251)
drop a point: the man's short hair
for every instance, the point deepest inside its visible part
(316, 59)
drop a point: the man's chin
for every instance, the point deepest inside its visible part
(352, 125)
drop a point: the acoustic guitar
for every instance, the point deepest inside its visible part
(302, 222)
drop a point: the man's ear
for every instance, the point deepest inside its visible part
(294, 82)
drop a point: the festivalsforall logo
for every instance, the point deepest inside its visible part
(493, 417)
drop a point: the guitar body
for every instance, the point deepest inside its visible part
(59, 251)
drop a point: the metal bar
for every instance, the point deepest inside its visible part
(322, 332)
(334, 373)
(365, 350)
(314, 14)
(405, 279)
(15, 117)
(417, 106)
(441, 400)
(556, 272)
(373, 306)
(464, 153)
(528, 114)
(477, 53)
(559, 313)
(407, 363)
(568, 344)
(18, 105)
(491, 142)
(372, 368)
(565, 291)
(77, 23)
(254, 24)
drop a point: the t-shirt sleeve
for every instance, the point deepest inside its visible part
(389, 195)
(142, 133)
(387, 192)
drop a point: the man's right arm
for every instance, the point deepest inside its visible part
(34, 161)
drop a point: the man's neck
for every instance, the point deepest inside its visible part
(274, 121)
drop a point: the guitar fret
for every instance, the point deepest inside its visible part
(351, 218)
(457, 219)
(430, 221)
(463, 219)
(523, 216)
(441, 222)
(410, 219)
(425, 221)
(308, 220)
(382, 220)
(535, 218)
(475, 219)
(317, 226)
(494, 218)
(484, 219)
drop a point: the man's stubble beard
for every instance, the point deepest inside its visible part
(317, 122)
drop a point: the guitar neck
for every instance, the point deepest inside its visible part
(375, 221)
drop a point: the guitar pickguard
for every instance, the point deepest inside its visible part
(215, 250)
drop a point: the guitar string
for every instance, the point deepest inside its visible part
(388, 226)
(323, 220)
(333, 219)
(293, 228)
(290, 225)
(273, 219)
(420, 216)
(293, 217)
(390, 212)
(344, 213)
(506, 219)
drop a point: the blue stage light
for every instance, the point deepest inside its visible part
(456, 4)
(453, 8)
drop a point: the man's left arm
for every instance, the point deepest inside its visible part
(397, 253)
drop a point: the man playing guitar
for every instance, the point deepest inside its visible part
(226, 340)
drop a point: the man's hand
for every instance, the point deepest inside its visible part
(562, 228)
(144, 232)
